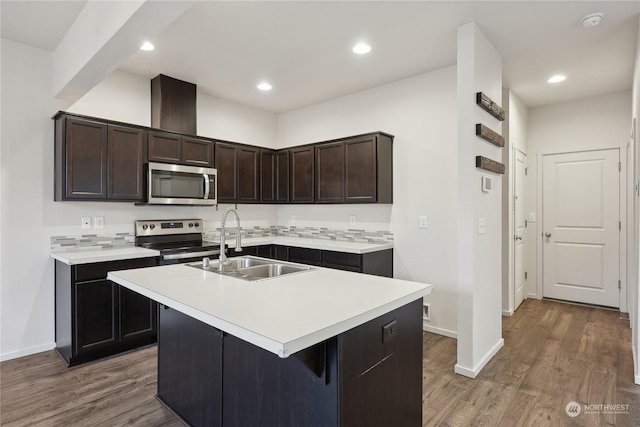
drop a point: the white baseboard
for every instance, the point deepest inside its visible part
(635, 366)
(507, 313)
(27, 351)
(472, 373)
(439, 331)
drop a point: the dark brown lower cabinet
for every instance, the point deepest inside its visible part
(378, 263)
(95, 317)
(368, 376)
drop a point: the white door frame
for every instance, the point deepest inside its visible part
(624, 306)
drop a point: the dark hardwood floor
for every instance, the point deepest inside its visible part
(554, 353)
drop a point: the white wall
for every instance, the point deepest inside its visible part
(421, 113)
(29, 216)
(634, 291)
(479, 269)
(587, 124)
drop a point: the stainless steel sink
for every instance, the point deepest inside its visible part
(252, 269)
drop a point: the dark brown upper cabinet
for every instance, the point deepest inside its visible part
(238, 173)
(248, 174)
(354, 170)
(267, 176)
(175, 148)
(98, 161)
(125, 157)
(301, 177)
(274, 167)
(226, 165)
(329, 170)
(368, 174)
(282, 176)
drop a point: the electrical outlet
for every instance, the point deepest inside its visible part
(426, 312)
(292, 219)
(424, 222)
(98, 222)
(389, 331)
(85, 222)
(352, 220)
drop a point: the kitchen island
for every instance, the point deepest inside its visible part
(317, 348)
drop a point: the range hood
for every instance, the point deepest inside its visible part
(173, 105)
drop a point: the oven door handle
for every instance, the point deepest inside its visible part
(191, 255)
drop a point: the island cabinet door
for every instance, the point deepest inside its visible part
(190, 368)
(381, 370)
(262, 389)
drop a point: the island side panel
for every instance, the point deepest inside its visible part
(262, 389)
(190, 368)
(380, 369)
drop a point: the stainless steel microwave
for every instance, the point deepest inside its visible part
(169, 184)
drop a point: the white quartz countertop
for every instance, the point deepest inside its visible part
(301, 242)
(282, 315)
(129, 252)
(101, 255)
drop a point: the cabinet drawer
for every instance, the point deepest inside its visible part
(305, 256)
(364, 346)
(99, 270)
(342, 260)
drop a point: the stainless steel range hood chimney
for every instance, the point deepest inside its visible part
(173, 105)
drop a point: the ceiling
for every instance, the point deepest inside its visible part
(304, 48)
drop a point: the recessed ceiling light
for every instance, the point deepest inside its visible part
(361, 48)
(264, 86)
(557, 78)
(592, 19)
(147, 46)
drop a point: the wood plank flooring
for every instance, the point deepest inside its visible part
(554, 353)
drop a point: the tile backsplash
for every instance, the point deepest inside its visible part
(92, 241)
(105, 241)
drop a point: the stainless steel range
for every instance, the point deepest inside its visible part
(178, 240)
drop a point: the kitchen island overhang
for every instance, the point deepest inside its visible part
(282, 315)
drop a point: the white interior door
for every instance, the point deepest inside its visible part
(520, 235)
(581, 214)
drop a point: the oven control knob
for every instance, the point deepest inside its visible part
(190, 225)
(145, 226)
(152, 226)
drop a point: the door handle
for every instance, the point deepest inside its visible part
(518, 237)
(547, 235)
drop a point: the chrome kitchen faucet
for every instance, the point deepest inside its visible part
(223, 256)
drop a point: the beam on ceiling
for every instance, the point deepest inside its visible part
(105, 35)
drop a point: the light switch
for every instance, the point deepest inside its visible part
(98, 222)
(424, 221)
(532, 217)
(482, 225)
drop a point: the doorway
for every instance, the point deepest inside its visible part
(520, 229)
(581, 227)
